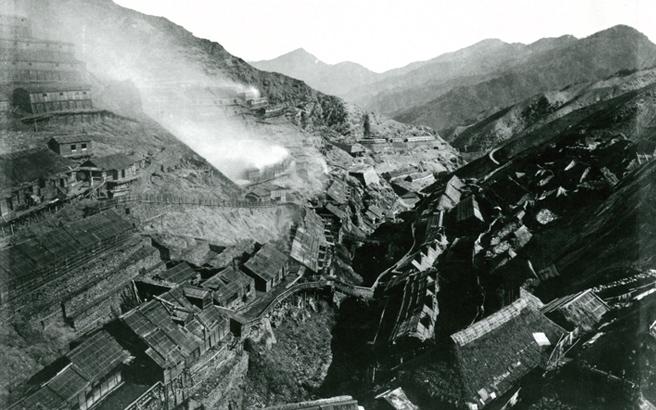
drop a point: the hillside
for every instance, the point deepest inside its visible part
(334, 79)
(459, 88)
(533, 113)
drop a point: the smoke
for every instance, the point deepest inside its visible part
(185, 84)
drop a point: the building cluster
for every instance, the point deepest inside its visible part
(184, 314)
(39, 76)
(67, 168)
(471, 258)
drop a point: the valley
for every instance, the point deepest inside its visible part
(182, 229)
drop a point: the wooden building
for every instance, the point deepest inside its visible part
(71, 146)
(83, 378)
(583, 310)
(33, 177)
(267, 267)
(37, 99)
(114, 172)
(231, 287)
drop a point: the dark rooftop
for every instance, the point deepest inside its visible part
(267, 262)
(29, 165)
(180, 273)
(110, 162)
(66, 139)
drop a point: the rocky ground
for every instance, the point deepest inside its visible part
(290, 362)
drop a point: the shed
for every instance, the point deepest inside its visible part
(231, 287)
(267, 267)
(112, 167)
(71, 146)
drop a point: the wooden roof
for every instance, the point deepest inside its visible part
(267, 262)
(493, 354)
(110, 162)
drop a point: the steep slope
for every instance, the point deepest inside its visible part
(334, 79)
(544, 108)
(592, 58)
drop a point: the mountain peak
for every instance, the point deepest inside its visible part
(620, 31)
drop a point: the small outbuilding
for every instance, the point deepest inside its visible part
(71, 146)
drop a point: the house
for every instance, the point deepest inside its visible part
(231, 287)
(583, 310)
(82, 378)
(41, 98)
(33, 177)
(71, 146)
(466, 217)
(114, 172)
(333, 403)
(495, 353)
(267, 267)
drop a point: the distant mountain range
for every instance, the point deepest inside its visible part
(460, 88)
(336, 79)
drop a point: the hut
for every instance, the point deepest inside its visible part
(267, 267)
(71, 146)
(231, 287)
(32, 177)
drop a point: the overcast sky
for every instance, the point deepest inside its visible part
(384, 34)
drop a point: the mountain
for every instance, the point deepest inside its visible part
(536, 69)
(334, 79)
(528, 115)
(462, 87)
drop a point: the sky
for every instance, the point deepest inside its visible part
(385, 34)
